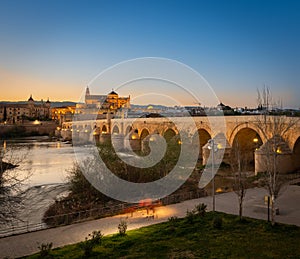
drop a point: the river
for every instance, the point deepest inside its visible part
(45, 163)
(46, 160)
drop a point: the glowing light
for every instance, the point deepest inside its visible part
(278, 150)
(86, 131)
(255, 140)
(36, 122)
(58, 128)
(219, 190)
(4, 144)
(133, 137)
(179, 142)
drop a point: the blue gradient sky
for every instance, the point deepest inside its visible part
(54, 48)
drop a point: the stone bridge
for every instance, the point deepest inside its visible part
(241, 131)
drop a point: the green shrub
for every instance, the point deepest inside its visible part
(45, 249)
(122, 228)
(173, 219)
(90, 242)
(190, 216)
(200, 209)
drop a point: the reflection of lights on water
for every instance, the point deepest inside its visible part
(58, 145)
(4, 144)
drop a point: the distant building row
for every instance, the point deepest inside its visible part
(16, 113)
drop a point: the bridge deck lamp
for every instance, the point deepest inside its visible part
(214, 148)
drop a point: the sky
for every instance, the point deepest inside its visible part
(54, 48)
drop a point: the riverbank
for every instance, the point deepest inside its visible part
(36, 201)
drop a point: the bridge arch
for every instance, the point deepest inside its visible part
(169, 134)
(246, 125)
(104, 129)
(296, 154)
(144, 140)
(116, 130)
(144, 133)
(203, 136)
(245, 142)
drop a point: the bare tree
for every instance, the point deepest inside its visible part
(274, 127)
(11, 180)
(239, 165)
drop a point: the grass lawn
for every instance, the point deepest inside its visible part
(196, 237)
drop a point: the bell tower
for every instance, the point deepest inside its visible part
(87, 93)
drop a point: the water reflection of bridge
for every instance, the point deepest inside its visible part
(243, 130)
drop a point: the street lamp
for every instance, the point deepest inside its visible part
(214, 148)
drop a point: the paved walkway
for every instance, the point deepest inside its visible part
(25, 244)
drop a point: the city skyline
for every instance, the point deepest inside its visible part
(54, 48)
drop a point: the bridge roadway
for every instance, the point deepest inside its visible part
(26, 244)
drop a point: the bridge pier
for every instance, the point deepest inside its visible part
(275, 153)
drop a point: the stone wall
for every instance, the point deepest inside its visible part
(44, 128)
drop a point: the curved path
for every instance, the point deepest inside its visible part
(25, 244)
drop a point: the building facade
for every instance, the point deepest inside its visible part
(102, 104)
(62, 114)
(17, 113)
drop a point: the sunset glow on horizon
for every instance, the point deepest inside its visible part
(52, 49)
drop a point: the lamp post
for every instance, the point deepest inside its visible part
(214, 148)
